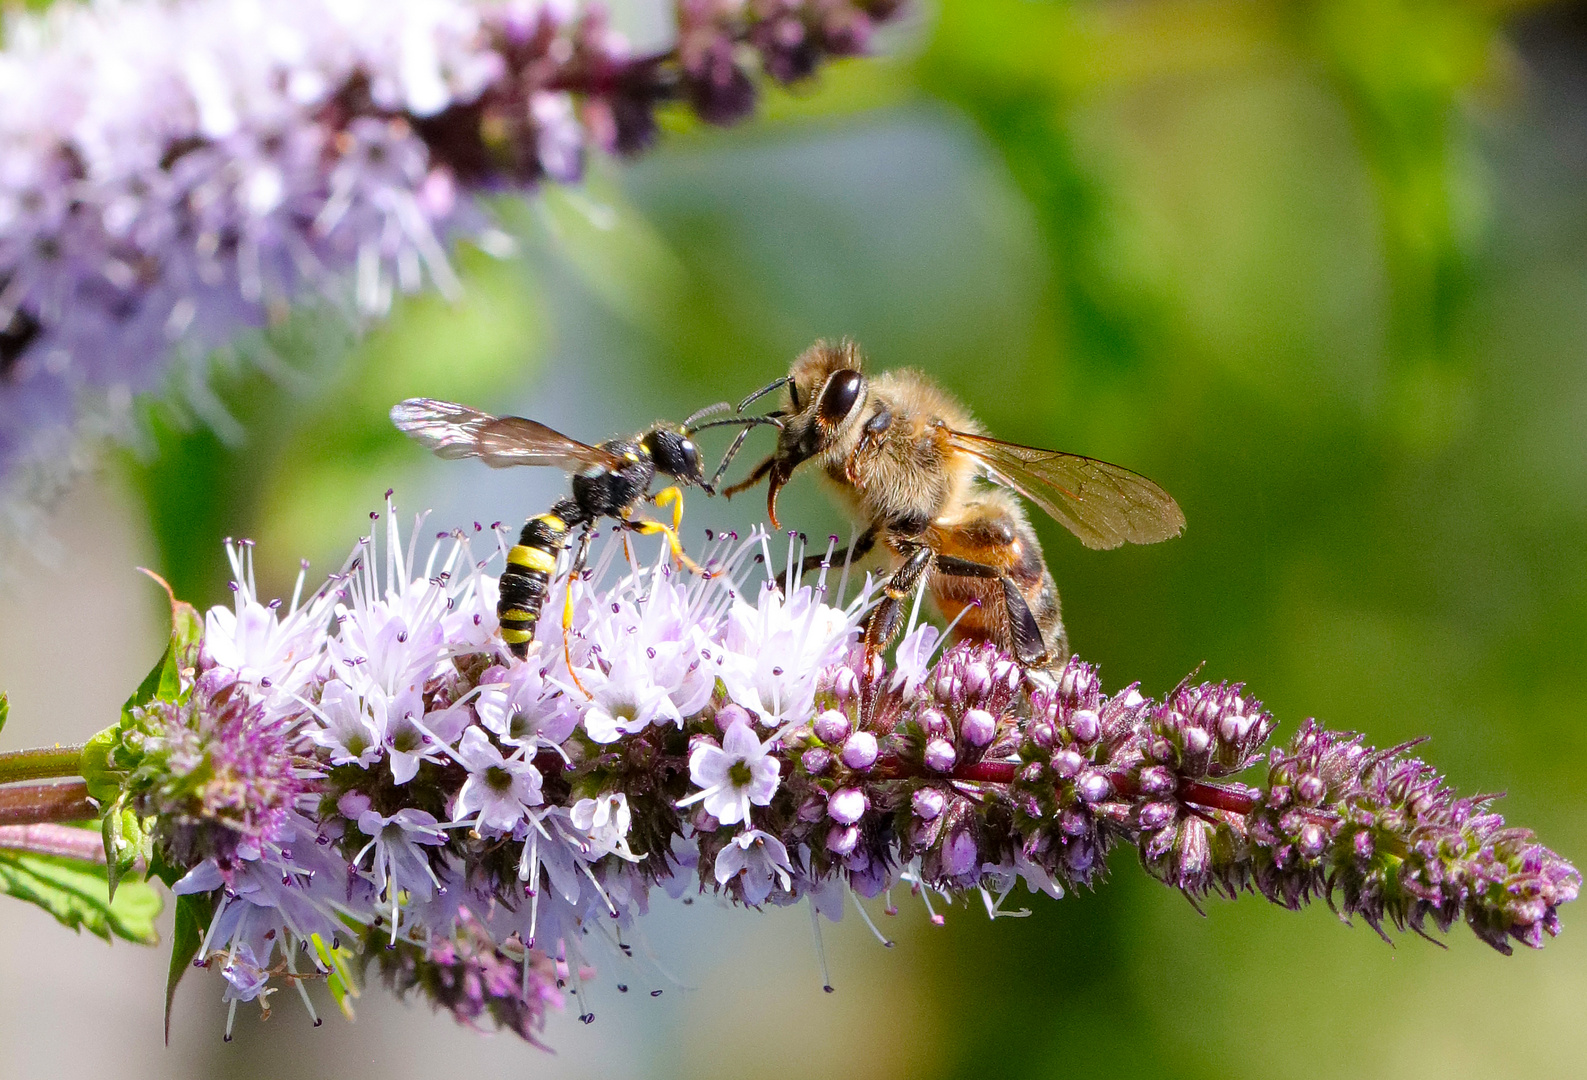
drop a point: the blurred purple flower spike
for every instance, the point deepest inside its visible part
(174, 173)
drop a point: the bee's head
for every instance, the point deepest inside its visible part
(826, 394)
(674, 453)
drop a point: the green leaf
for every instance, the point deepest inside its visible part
(5, 710)
(127, 840)
(193, 914)
(77, 893)
(107, 758)
(340, 981)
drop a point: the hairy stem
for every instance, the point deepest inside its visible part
(37, 804)
(61, 840)
(41, 763)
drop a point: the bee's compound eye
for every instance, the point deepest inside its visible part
(837, 400)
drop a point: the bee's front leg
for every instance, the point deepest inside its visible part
(862, 547)
(886, 618)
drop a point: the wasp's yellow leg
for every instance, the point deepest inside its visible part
(574, 572)
(646, 527)
(672, 496)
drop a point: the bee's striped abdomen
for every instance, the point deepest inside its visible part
(527, 577)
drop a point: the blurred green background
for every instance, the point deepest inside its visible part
(1320, 268)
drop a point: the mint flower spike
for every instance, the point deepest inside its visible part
(174, 174)
(494, 818)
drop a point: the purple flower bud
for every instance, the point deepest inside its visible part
(1234, 728)
(932, 722)
(978, 727)
(1363, 845)
(1006, 673)
(731, 714)
(1074, 823)
(843, 839)
(959, 854)
(1067, 764)
(1310, 789)
(1077, 681)
(977, 679)
(940, 755)
(1041, 733)
(847, 805)
(1161, 750)
(832, 727)
(1156, 815)
(816, 760)
(1085, 726)
(859, 751)
(928, 803)
(845, 684)
(949, 688)
(1193, 850)
(1197, 741)
(1093, 787)
(1313, 839)
(1156, 780)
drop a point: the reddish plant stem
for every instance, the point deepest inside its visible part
(62, 840)
(1210, 796)
(36, 804)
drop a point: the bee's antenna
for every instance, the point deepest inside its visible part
(774, 385)
(709, 410)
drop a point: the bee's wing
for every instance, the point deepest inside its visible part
(1104, 505)
(457, 431)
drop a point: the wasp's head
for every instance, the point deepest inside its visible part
(674, 453)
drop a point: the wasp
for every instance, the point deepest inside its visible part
(609, 480)
(938, 495)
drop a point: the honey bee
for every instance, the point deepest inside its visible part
(906, 459)
(609, 480)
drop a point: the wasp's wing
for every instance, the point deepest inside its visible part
(457, 431)
(1104, 505)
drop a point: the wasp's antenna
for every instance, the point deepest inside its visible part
(727, 458)
(746, 422)
(775, 385)
(709, 410)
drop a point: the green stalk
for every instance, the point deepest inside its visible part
(41, 763)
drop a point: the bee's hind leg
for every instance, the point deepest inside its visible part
(1024, 631)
